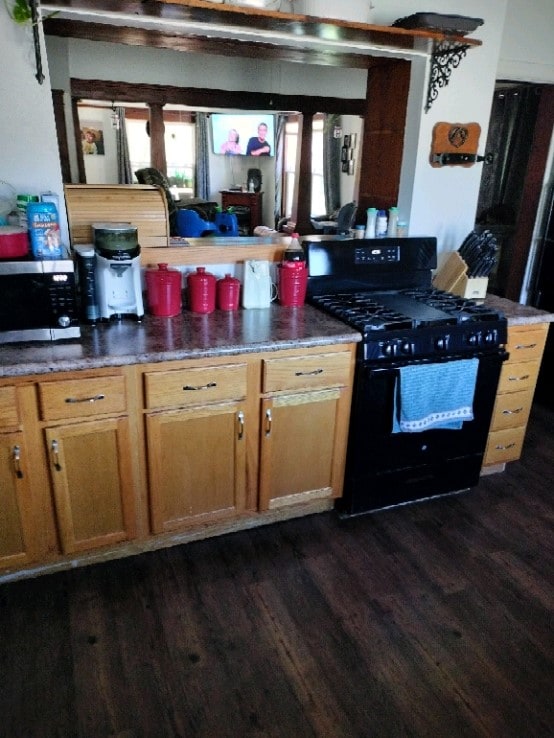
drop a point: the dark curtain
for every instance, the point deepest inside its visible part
(202, 179)
(279, 166)
(331, 163)
(124, 171)
(511, 126)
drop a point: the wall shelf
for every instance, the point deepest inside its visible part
(200, 26)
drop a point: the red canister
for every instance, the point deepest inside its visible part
(201, 291)
(163, 290)
(293, 282)
(228, 293)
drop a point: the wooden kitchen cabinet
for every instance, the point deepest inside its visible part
(303, 428)
(515, 392)
(16, 514)
(89, 457)
(196, 444)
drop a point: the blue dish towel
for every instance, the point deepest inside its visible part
(431, 396)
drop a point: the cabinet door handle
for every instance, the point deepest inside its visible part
(526, 346)
(518, 379)
(16, 462)
(308, 374)
(515, 411)
(94, 398)
(199, 386)
(56, 455)
(504, 448)
(268, 420)
(240, 421)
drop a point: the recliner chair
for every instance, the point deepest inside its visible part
(342, 225)
(153, 176)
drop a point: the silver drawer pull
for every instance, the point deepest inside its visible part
(94, 398)
(526, 346)
(16, 462)
(268, 421)
(505, 448)
(518, 379)
(512, 412)
(200, 386)
(56, 455)
(240, 421)
(308, 374)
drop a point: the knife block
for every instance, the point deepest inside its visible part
(452, 277)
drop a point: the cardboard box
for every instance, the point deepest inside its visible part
(452, 277)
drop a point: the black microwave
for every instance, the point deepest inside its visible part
(38, 301)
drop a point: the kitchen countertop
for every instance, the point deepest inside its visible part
(185, 336)
(192, 336)
(518, 314)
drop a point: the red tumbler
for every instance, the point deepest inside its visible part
(228, 293)
(293, 282)
(201, 291)
(163, 289)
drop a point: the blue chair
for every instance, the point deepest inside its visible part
(191, 225)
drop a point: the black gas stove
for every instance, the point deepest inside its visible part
(426, 358)
(383, 289)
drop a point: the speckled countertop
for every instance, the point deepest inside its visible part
(190, 336)
(185, 336)
(518, 314)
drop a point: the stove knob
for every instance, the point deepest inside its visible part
(406, 347)
(441, 344)
(473, 339)
(64, 321)
(490, 337)
(389, 349)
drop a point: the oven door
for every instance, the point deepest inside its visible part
(385, 468)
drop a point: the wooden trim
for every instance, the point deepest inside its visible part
(194, 97)
(61, 132)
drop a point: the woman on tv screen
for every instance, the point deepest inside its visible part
(232, 145)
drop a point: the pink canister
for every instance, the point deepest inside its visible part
(201, 291)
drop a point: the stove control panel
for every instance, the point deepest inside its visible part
(386, 254)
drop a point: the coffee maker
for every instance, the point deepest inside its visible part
(117, 275)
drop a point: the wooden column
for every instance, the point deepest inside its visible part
(157, 143)
(304, 179)
(388, 83)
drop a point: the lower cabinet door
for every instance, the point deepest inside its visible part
(90, 467)
(196, 464)
(299, 443)
(16, 522)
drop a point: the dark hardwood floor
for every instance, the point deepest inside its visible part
(433, 619)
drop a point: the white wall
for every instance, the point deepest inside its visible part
(29, 159)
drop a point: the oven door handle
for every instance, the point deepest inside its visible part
(501, 353)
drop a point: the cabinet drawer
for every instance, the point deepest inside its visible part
(9, 414)
(77, 398)
(504, 445)
(195, 386)
(526, 343)
(306, 372)
(518, 376)
(512, 410)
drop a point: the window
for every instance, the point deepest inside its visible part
(179, 140)
(291, 144)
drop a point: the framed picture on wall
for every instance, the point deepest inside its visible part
(92, 139)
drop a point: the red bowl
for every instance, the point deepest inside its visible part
(14, 242)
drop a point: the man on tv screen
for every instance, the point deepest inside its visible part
(257, 145)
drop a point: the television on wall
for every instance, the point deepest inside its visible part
(243, 134)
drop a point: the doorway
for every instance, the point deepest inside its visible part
(519, 137)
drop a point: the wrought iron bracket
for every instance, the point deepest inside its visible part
(36, 40)
(445, 57)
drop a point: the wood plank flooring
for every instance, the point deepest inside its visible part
(433, 619)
